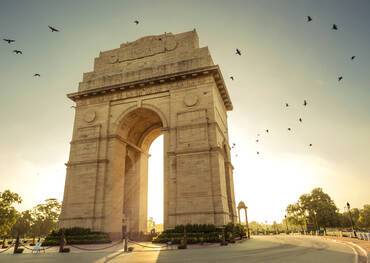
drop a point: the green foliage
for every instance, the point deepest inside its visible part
(45, 217)
(316, 208)
(200, 233)
(364, 216)
(36, 222)
(76, 235)
(8, 214)
(23, 224)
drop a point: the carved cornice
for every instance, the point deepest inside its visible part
(212, 70)
(93, 161)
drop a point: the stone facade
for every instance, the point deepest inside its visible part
(155, 85)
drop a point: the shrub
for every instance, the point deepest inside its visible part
(201, 233)
(77, 235)
(19, 251)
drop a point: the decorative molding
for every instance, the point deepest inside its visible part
(214, 70)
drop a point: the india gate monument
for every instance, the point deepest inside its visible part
(164, 84)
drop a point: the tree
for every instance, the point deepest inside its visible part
(45, 217)
(315, 208)
(321, 208)
(23, 224)
(345, 220)
(8, 214)
(364, 217)
(296, 215)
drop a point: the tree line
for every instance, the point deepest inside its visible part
(317, 211)
(35, 222)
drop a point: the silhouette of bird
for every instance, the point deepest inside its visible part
(17, 51)
(289, 129)
(310, 145)
(340, 78)
(304, 103)
(334, 27)
(53, 29)
(9, 40)
(267, 131)
(353, 57)
(238, 52)
(37, 75)
(231, 77)
(286, 105)
(258, 152)
(257, 140)
(309, 19)
(300, 119)
(136, 22)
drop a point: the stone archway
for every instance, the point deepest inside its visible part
(139, 128)
(156, 85)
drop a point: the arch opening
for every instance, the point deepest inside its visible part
(155, 186)
(138, 129)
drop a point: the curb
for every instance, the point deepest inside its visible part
(360, 248)
(351, 244)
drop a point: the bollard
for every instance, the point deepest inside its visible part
(16, 245)
(61, 242)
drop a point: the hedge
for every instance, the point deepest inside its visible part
(200, 233)
(77, 235)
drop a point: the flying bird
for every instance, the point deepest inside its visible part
(340, 78)
(257, 140)
(231, 77)
(53, 29)
(304, 103)
(258, 152)
(286, 105)
(136, 22)
(353, 57)
(310, 145)
(238, 52)
(309, 19)
(267, 131)
(289, 129)
(37, 75)
(17, 51)
(300, 119)
(9, 40)
(334, 27)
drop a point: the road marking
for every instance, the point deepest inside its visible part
(361, 249)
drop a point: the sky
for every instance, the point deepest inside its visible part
(284, 59)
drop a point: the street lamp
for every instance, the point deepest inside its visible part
(350, 217)
(286, 224)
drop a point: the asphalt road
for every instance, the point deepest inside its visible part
(259, 249)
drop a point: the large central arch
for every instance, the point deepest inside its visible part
(138, 128)
(156, 85)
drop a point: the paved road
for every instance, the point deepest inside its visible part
(259, 249)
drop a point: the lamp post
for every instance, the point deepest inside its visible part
(286, 224)
(350, 217)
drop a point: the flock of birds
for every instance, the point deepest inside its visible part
(340, 78)
(20, 52)
(237, 52)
